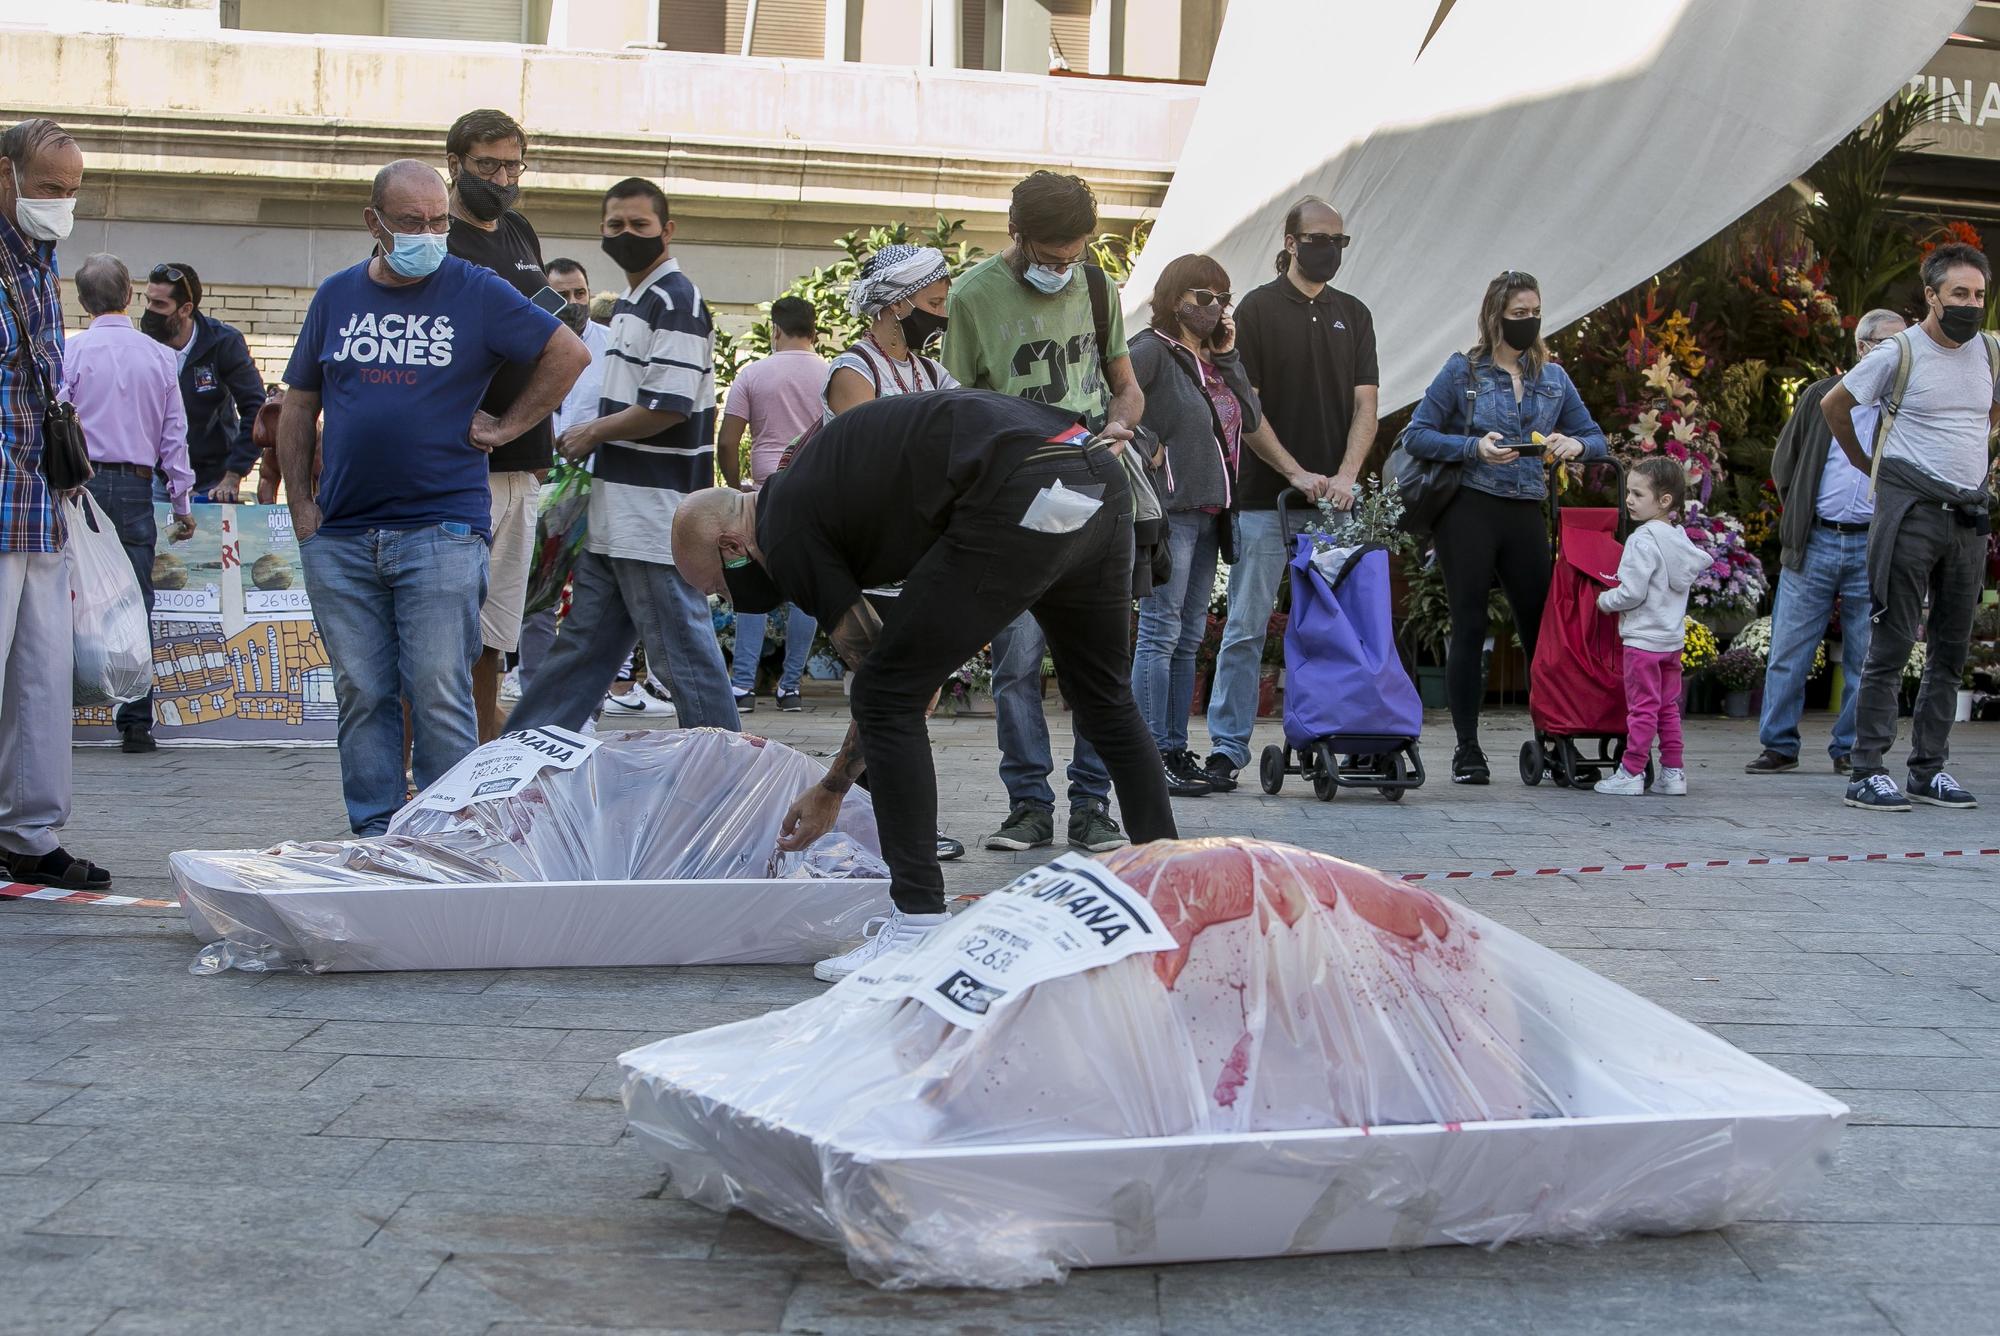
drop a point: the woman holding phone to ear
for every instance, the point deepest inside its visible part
(1200, 404)
(1483, 411)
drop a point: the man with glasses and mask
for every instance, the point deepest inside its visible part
(1040, 322)
(1309, 350)
(41, 169)
(1823, 535)
(221, 388)
(485, 154)
(399, 351)
(1939, 388)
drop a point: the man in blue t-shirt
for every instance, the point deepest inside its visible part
(398, 351)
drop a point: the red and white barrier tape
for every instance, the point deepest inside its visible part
(1775, 860)
(57, 895)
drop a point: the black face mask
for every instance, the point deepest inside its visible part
(920, 327)
(634, 254)
(751, 588)
(484, 200)
(1960, 323)
(1522, 333)
(576, 315)
(1318, 261)
(156, 326)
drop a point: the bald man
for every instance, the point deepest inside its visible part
(398, 352)
(987, 507)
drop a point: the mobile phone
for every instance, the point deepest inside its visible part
(550, 300)
(1527, 449)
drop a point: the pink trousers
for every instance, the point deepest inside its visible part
(1652, 708)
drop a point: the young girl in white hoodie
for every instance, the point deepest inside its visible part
(1659, 566)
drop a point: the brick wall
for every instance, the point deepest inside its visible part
(268, 318)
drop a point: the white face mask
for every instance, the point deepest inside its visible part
(42, 219)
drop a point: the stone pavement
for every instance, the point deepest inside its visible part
(443, 1154)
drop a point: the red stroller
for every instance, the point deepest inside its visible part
(1576, 685)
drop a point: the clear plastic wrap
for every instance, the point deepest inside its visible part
(1310, 1057)
(552, 848)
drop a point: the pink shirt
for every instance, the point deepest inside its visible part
(126, 388)
(779, 397)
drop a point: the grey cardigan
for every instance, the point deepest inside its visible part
(1179, 414)
(1796, 469)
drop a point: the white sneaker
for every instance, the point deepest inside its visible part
(510, 687)
(636, 704)
(1671, 783)
(884, 936)
(1622, 784)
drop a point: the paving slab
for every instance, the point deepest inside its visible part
(443, 1154)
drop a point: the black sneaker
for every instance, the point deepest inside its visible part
(1026, 828)
(1876, 793)
(791, 702)
(1184, 777)
(1941, 790)
(1220, 772)
(139, 740)
(948, 848)
(746, 702)
(1468, 765)
(1774, 763)
(1843, 765)
(57, 869)
(1092, 830)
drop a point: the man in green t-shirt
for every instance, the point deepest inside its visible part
(1025, 322)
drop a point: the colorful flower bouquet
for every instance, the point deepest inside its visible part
(1756, 638)
(1734, 581)
(1701, 649)
(1675, 424)
(1739, 670)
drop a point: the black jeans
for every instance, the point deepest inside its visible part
(985, 571)
(1480, 536)
(1938, 557)
(127, 501)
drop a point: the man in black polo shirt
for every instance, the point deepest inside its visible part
(986, 507)
(1310, 352)
(485, 155)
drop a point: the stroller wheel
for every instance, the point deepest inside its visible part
(1326, 772)
(1531, 763)
(1390, 765)
(1271, 768)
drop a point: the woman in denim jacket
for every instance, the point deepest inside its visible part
(1482, 405)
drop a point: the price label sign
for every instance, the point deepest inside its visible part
(505, 766)
(1063, 918)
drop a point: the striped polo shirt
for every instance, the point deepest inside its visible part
(661, 356)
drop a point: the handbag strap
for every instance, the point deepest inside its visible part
(25, 338)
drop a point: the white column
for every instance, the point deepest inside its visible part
(836, 29)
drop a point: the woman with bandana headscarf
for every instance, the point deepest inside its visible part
(901, 294)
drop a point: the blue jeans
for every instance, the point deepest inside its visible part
(1025, 758)
(1253, 593)
(1836, 565)
(398, 611)
(799, 630)
(127, 501)
(1172, 620)
(613, 601)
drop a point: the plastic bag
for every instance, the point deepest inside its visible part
(560, 531)
(114, 637)
(1296, 1055)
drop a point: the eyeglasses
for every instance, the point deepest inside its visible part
(1058, 266)
(1339, 239)
(167, 273)
(491, 167)
(1208, 297)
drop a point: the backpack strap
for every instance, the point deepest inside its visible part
(1471, 392)
(1100, 310)
(1892, 403)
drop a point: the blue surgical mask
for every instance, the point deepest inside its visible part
(417, 254)
(1048, 281)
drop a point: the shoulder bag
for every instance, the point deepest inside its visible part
(65, 457)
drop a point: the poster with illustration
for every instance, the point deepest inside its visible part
(236, 656)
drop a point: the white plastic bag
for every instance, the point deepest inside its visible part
(114, 640)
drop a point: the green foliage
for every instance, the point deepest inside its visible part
(1427, 615)
(826, 288)
(1116, 252)
(1854, 223)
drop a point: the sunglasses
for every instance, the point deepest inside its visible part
(167, 273)
(490, 167)
(1339, 239)
(1207, 297)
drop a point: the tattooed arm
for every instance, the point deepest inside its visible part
(819, 807)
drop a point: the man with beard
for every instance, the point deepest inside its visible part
(485, 156)
(221, 388)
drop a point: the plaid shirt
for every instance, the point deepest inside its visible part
(29, 521)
